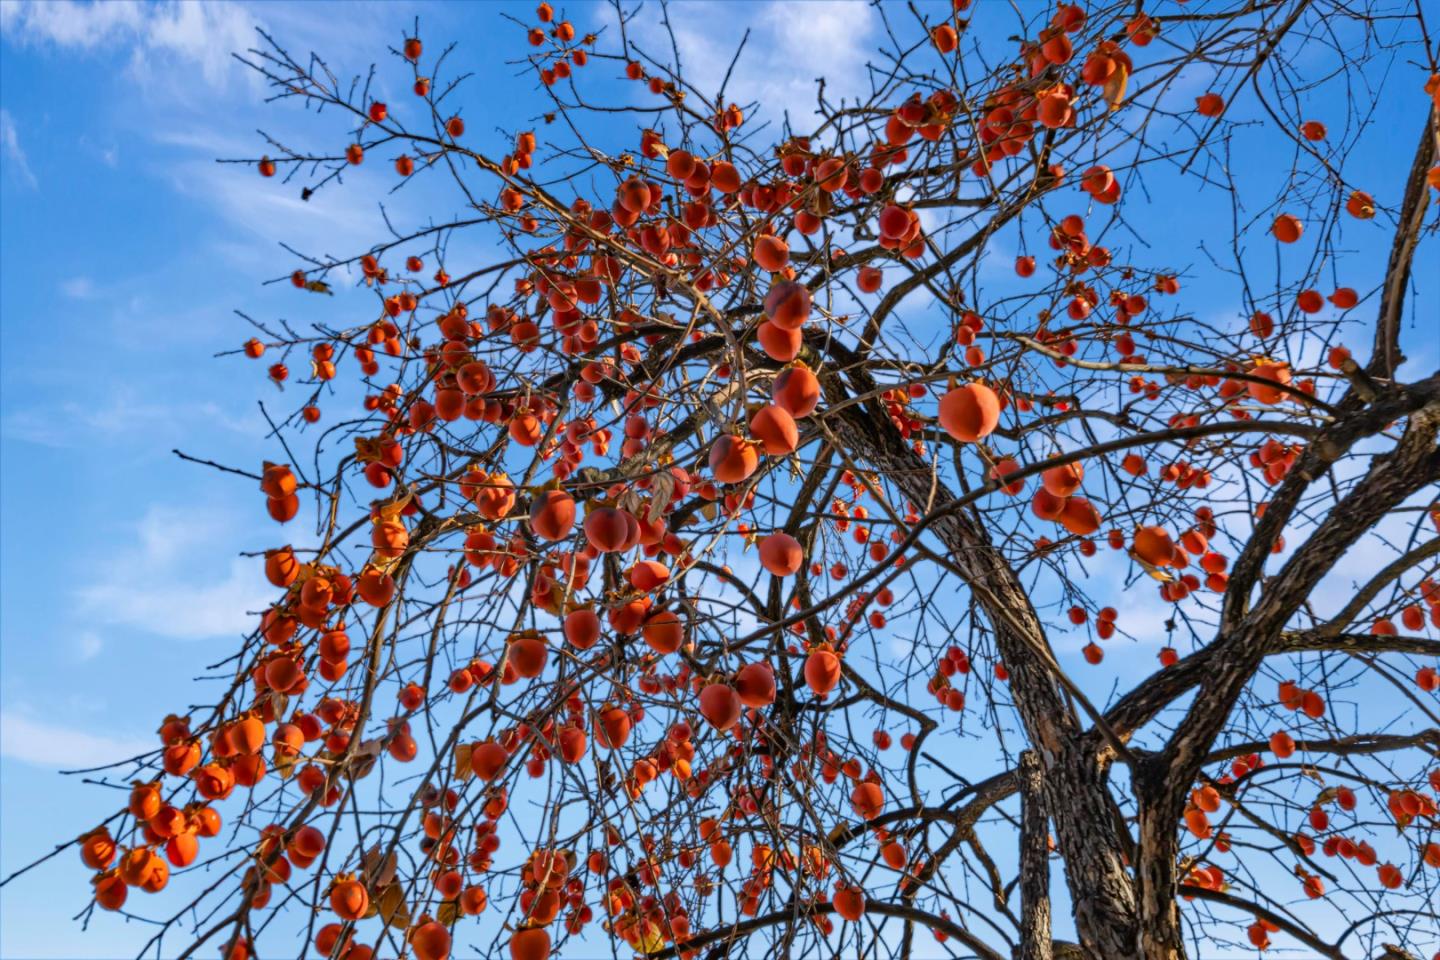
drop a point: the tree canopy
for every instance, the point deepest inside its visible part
(990, 516)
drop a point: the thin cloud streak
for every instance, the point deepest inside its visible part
(14, 154)
(29, 740)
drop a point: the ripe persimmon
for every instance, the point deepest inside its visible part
(609, 530)
(612, 727)
(528, 655)
(772, 254)
(663, 631)
(970, 413)
(755, 683)
(796, 390)
(1210, 105)
(720, 705)
(349, 898)
(868, 799)
(733, 459)
(781, 554)
(787, 305)
(1064, 480)
(552, 515)
(530, 943)
(110, 890)
(779, 343)
(1287, 228)
(98, 850)
(1080, 517)
(430, 941)
(775, 428)
(822, 671)
(582, 628)
(1153, 545)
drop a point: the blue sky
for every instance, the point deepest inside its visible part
(124, 252)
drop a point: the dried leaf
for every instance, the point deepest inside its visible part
(284, 765)
(387, 870)
(368, 863)
(392, 509)
(463, 770)
(392, 907)
(1114, 92)
(1156, 573)
(367, 449)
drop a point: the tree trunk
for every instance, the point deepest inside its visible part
(1034, 863)
(1076, 792)
(1160, 934)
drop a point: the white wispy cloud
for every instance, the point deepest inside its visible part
(28, 739)
(196, 36)
(14, 154)
(78, 288)
(776, 69)
(121, 413)
(165, 582)
(88, 645)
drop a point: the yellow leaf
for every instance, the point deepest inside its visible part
(463, 770)
(1156, 573)
(1115, 87)
(393, 508)
(650, 940)
(284, 765)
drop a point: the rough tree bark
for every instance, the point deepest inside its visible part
(1035, 943)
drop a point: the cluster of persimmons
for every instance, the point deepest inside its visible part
(534, 443)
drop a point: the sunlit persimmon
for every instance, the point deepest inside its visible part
(552, 515)
(1064, 480)
(1210, 105)
(582, 628)
(797, 390)
(787, 305)
(772, 254)
(1153, 545)
(663, 631)
(612, 727)
(733, 459)
(849, 902)
(778, 342)
(775, 428)
(528, 655)
(822, 671)
(868, 799)
(781, 554)
(720, 705)
(488, 760)
(755, 683)
(530, 943)
(970, 412)
(1287, 228)
(1080, 517)
(430, 941)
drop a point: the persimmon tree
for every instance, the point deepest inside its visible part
(687, 568)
